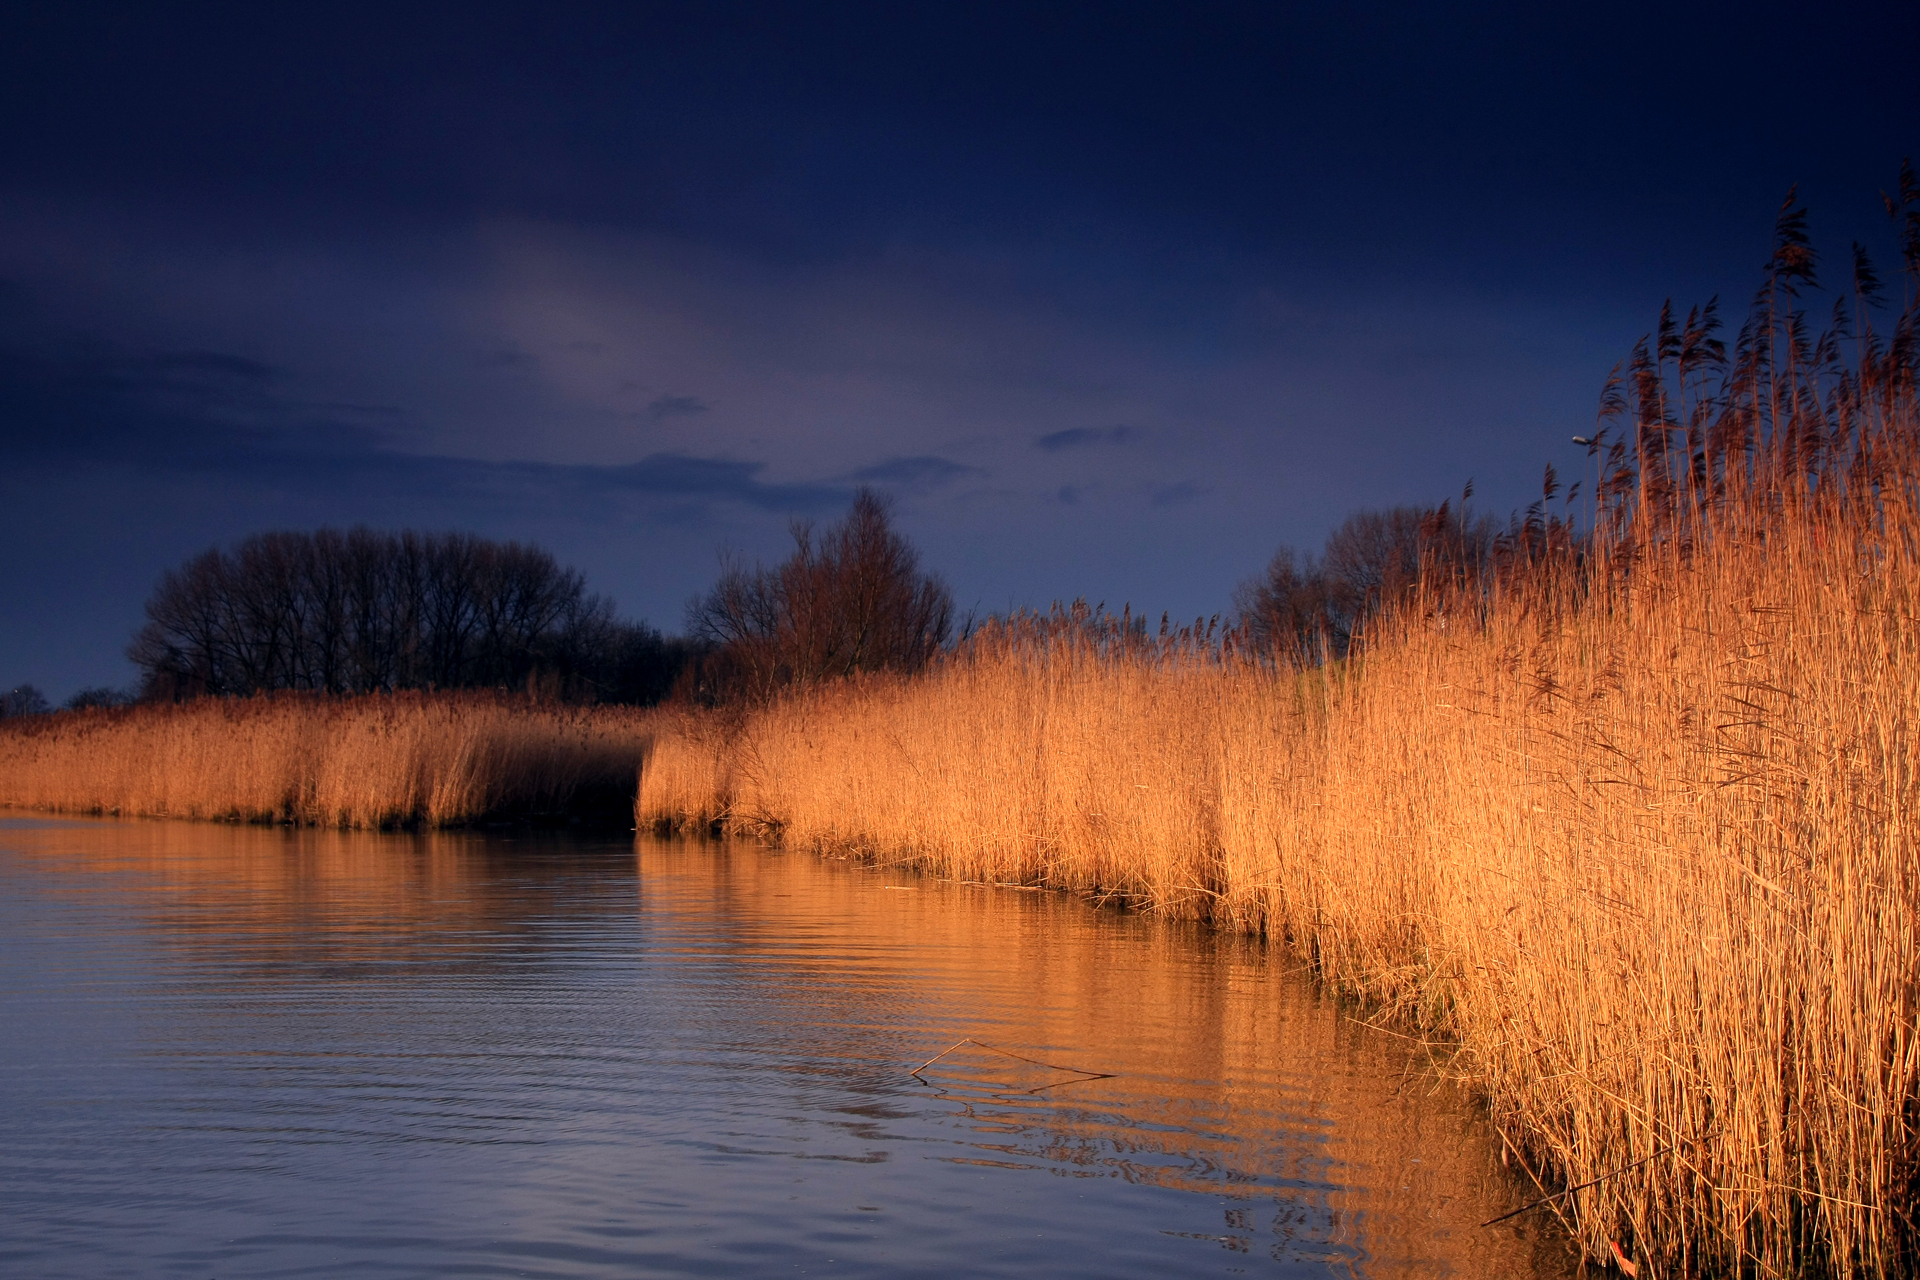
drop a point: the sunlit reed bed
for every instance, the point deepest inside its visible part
(376, 761)
(1645, 857)
(1628, 824)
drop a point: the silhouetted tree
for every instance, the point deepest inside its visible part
(362, 611)
(1288, 608)
(22, 700)
(598, 657)
(97, 696)
(1308, 607)
(850, 598)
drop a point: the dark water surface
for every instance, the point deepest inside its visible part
(231, 1052)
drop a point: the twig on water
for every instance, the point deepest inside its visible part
(1424, 1044)
(1008, 1053)
(1534, 1204)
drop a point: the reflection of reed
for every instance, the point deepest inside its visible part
(1229, 1077)
(295, 901)
(1623, 812)
(377, 761)
(1637, 843)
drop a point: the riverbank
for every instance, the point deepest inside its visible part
(434, 760)
(1636, 841)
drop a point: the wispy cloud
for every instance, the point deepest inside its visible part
(207, 413)
(508, 358)
(95, 403)
(1083, 437)
(665, 407)
(216, 363)
(922, 471)
(683, 475)
(1178, 494)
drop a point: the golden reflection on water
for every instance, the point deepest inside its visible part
(297, 894)
(1325, 1143)
(1229, 1076)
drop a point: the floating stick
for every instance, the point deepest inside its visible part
(1008, 1053)
(1534, 1204)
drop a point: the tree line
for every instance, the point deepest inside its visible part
(364, 611)
(850, 598)
(1684, 422)
(1307, 608)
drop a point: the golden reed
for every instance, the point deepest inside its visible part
(375, 761)
(1637, 841)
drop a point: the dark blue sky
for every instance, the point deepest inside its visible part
(1113, 299)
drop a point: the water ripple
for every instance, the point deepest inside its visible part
(246, 1052)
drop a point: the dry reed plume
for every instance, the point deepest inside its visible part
(1628, 821)
(375, 761)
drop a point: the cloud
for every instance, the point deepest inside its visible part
(214, 363)
(91, 404)
(665, 407)
(1082, 437)
(198, 414)
(1178, 494)
(361, 410)
(687, 476)
(507, 358)
(202, 377)
(923, 471)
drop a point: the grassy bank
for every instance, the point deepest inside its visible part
(375, 761)
(1638, 840)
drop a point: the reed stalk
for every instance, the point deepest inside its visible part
(1628, 820)
(1646, 858)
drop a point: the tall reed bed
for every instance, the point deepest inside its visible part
(374, 761)
(1627, 819)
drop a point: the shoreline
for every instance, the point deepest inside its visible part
(372, 762)
(1632, 847)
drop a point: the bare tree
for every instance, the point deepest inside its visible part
(97, 696)
(22, 700)
(850, 598)
(1288, 608)
(1308, 607)
(361, 611)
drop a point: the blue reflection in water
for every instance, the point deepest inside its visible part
(245, 1052)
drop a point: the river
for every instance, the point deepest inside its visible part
(249, 1052)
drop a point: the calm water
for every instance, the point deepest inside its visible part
(244, 1052)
